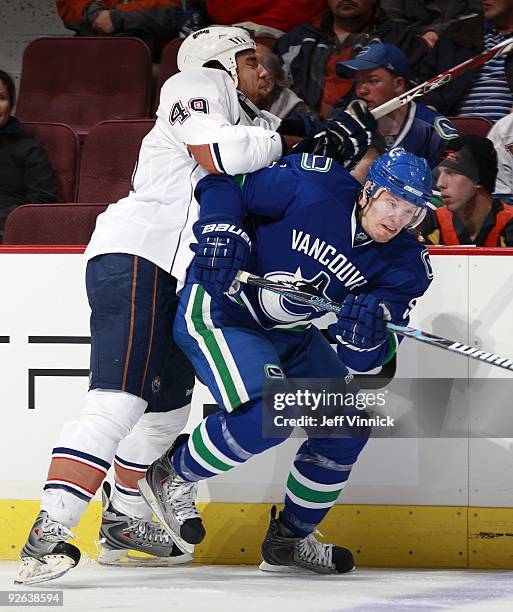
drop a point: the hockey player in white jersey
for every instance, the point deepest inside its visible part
(141, 383)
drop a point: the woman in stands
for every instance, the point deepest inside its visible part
(26, 175)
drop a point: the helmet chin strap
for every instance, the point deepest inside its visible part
(235, 77)
(360, 207)
(251, 109)
(366, 192)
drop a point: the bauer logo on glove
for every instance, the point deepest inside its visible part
(226, 227)
(223, 249)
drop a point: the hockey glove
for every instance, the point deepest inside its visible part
(301, 125)
(222, 250)
(361, 324)
(345, 138)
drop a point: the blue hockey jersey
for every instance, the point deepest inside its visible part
(424, 132)
(301, 214)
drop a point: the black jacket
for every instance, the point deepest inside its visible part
(26, 175)
(155, 26)
(458, 43)
(305, 50)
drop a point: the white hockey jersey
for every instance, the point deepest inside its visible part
(501, 135)
(155, 220)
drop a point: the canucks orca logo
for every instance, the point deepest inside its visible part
(444, 128)
(283, 310)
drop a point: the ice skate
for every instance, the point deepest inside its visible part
(121, 534)
(172, 500)
(46, 554)
(282, 551)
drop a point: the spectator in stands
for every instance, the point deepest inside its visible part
(280, 15)
(470, 214)
(381, 72)
(430, 18)
(154, 21)
(310, 52)
(26, 175)
(501, 135)
(275, 95)
(487, 92)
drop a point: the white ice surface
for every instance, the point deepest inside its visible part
(216, 588)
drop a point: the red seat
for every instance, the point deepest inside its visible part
(63, 148)
(168, 66)
(84, 80)
(52, 223)
(472, 125)
(108, 159)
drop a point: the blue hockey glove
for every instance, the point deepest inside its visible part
(361, 324)
(223, 249)
(345, 138)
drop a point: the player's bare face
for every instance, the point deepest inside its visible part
(5, 104)
(386, 215)
(456, 189)
(377, 86)
(249, 73)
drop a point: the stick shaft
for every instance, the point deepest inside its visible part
(303, 297)
(444, 77)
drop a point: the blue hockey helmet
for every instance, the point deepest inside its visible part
(404, 175)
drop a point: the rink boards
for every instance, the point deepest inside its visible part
(411, 502)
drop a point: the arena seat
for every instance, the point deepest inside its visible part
(83, 80)
(63, 148)
(68, 223)
(168, 66)
(108, 159)
(472, 125)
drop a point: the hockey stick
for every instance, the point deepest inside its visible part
(444, 77)
(302, 297)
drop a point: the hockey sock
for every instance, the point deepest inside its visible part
(151, 436)
(84, 452)
(221, 442)
(318, 475)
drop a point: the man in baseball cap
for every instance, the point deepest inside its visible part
(381, 72)
(375, 56)
(470, 214)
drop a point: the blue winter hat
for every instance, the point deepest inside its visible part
(376, 56)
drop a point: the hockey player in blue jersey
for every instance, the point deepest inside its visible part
(304, 219)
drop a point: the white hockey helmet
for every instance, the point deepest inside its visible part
(219, 43)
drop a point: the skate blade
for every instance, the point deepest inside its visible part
(123, 558)
(33, 571)
(151, 500)
(295, 571)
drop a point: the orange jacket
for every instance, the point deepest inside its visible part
(71, 11)
(449, 236)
